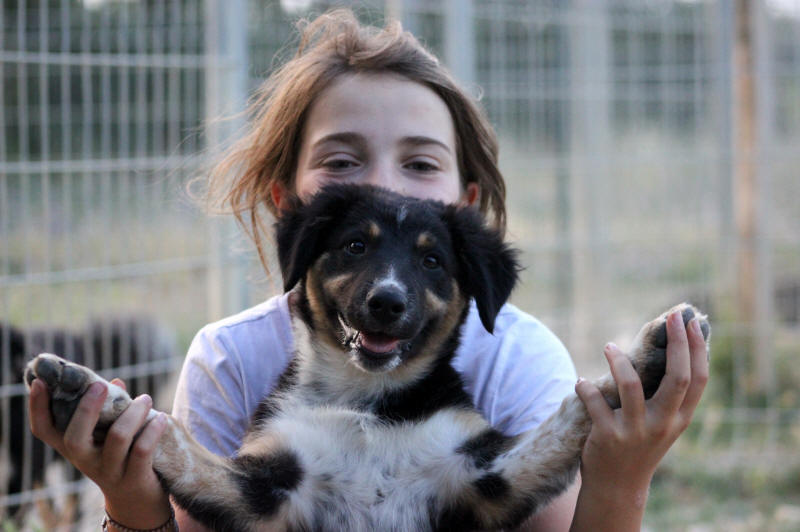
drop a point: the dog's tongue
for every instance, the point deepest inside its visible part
(378, 343)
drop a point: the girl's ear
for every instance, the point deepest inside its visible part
(471, 195)
(279, 195)
(488, 267)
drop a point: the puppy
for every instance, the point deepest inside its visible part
(370, 427)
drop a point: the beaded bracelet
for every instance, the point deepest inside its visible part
(122, 528)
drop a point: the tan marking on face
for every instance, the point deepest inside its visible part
(425, 241)
(373, 230)
(336, 284)
(435, 303)
(325, 330)
(427, 352)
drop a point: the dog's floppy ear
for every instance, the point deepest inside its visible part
(301, 229)
(488, 267)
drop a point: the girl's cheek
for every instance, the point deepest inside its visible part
(307, 184)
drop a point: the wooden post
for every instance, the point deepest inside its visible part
(753, 248)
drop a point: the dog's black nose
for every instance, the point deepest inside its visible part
(387, 305)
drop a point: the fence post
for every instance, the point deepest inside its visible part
(459, 40)
(226, 94)
(763, 345)
(588, 154)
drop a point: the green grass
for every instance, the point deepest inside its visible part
(751, 493)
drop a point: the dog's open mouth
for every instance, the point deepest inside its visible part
(377, 343)
(373, 348)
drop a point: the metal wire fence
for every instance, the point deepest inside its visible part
(620, 128)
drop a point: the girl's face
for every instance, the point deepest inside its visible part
(381, 130)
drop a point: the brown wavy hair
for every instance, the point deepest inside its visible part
(332, 45)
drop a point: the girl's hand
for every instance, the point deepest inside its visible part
(123, 465)
(625, 445)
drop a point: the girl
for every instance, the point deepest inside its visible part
(363, 105)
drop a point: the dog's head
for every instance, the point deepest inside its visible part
(385, 277)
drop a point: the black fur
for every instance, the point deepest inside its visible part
(653, 372)
(492, 486)
(302, 230)
(266, 480)
(268, 407)
(219, 518)
(488, 265)
(441, 388)
(487, 446)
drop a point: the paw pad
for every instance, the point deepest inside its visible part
(66, 383)
(688, 313)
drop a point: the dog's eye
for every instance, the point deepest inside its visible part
(356, 247)
(431, 261)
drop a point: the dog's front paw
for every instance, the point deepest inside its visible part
(649, 352)
(66, 383)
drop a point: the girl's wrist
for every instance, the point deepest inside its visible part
(110, 525)
(139, 516)
(609, 505)
(616, 490)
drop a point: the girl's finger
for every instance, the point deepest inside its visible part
(594, 402)
(122, 433)
(672, 391)
(78, 442)
(40, 419)
(699, 369)
(140, 461)
(631, 393)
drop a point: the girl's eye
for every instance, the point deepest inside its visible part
(421, 166)
(339, 164)
(431, 261)
(356, 247)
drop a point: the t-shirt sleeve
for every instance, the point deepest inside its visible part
(533, 379)
(519, 376)
(209, 399)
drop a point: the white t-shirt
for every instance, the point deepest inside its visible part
(517, 376)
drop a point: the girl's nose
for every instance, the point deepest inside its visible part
(383, 174)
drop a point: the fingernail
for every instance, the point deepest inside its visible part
(146, 398)
(611, 346)
(695, 323)
(580, 380)
(95, 390)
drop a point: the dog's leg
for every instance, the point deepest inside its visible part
(215, 491)
(515, 477)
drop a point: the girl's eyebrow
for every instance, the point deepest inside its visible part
(421, 140)
(359, 141)
(355, 140)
